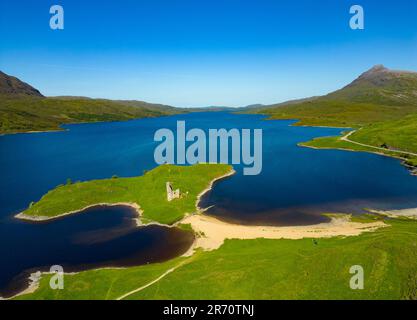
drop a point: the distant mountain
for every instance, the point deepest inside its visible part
(210, 109)
(377, 94)
(295, 101)
(12, 86)
(252, 106)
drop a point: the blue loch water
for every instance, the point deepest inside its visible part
(295, 186)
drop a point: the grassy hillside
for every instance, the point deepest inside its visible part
(324, 112)
(379, 94)
(380, 86)
(24, 114)
(148, 191)
(266, 269)
(23, 108)
(382, 102)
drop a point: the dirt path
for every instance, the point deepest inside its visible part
(346, 138)
(153, 282)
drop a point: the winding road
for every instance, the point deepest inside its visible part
(346, 138)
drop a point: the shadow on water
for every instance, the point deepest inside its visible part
(102, 236)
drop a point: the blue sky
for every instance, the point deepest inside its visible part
(191, 53)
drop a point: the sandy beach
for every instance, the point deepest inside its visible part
(214, 232)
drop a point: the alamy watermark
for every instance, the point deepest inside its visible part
(56, 282)
(357, 21)
(357, 280)
(232, 146)
(56, 22)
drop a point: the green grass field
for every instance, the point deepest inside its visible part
(266, 269)
(148, 191)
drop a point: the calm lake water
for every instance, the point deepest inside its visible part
(295, 187)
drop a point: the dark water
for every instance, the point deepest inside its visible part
(295, 187)
(298, 184)
(97, 237)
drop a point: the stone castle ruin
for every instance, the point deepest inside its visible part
(171, 193)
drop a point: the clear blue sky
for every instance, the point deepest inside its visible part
(203, 52)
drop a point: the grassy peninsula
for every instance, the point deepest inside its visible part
(147, 191)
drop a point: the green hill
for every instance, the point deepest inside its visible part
(381, 86)
(377, 95)
(381, 102)
(23, 108)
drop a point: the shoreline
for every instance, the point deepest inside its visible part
(410, 168)
(25, 217)
(139, 211)
(32, 131)
(210, 186)
(87, 122)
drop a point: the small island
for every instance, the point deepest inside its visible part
(146, 193)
